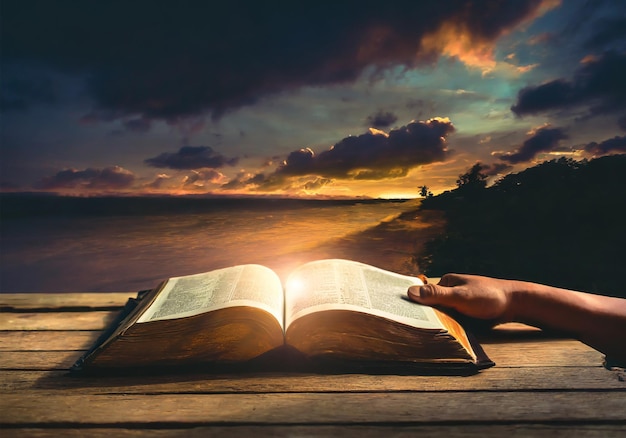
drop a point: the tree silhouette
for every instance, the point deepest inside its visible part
(474, 178)
(560, 222)
(425, 191)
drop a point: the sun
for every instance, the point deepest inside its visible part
(398, 195)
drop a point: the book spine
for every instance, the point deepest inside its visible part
(128, 309)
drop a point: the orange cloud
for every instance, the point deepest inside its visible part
(525, 68)
(455, 40)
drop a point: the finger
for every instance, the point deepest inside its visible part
(432, 295)
(450, 280)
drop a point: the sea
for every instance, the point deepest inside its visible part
(119, 244)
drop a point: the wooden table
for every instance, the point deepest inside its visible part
(540, 386)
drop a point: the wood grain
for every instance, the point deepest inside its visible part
(541, 386)
(497, 379)
(67, 301)
(509, 430)
(96, 320)
(311, 408)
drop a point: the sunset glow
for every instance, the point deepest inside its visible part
(305, 102)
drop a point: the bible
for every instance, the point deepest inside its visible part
(328, 311)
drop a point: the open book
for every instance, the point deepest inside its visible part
(327, 310)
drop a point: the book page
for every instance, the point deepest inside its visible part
(348, 285)
(245, 285)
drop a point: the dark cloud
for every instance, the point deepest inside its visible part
(108, 178)
(138, 125)
(615, 144)
(375, 154)
(20, 93)
(191, 157)
(598, 85)
(608, 33)
(381, 119)
(169, 60)
(554, 94)
(596, 25)
(621, 122)
(542, 140)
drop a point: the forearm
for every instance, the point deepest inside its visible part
(599, 321)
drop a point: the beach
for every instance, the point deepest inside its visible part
(391, 245)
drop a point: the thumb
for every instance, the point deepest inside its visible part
(431, 294)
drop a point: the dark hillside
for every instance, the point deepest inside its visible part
(562, 222)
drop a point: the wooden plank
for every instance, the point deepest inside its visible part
(96, 320)
(39, 360)
(559, 352)
(514, 430)
(312, 408)
(497, 379)
(47, 340)
(106, 300)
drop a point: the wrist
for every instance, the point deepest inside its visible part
(523, 300)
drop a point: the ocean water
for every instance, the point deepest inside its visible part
(112, 245)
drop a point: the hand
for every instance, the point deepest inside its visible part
(597, 320)
(471, 295)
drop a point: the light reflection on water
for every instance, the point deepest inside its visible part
(125, 253)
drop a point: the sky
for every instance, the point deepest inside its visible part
(307, 98)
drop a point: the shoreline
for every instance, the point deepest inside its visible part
(390, 245)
